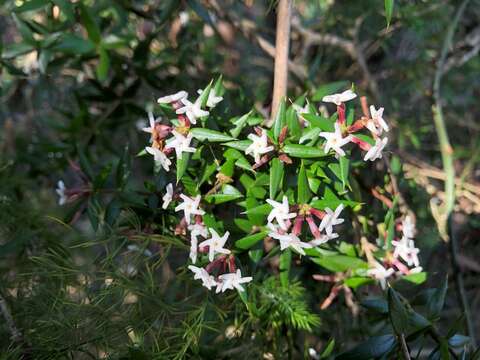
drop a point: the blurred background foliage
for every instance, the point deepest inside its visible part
(77, 79)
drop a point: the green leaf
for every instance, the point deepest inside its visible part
(310, 134)
(294, 129)
(72, 44)
(280, 120)
(340, 170)
(374, 348)
(329, 89)
(248, 241)
(89, 22)
(328, 349)
(113, 211)
(378, 304)
(389, 11)
(304, 194)
(417, 278)
(228, 193)
(239, 124)
(317, 121)
(239, 144)
(340, 263)
(276, 176)
(103, 64)
(24, 29)
(357, 281)
(303, 151)
(203, 134)
(284, 267)
(403, 318)
(31, 5)
(182, 165)
(260, 210)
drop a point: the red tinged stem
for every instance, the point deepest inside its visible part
(362, 144)
(341, 114)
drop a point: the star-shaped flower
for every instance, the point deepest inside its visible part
(173, 98)
(231, 281)
(60, 190)
(213, 99)
(338, 99)
(167, 198)
(408, 227)
(322, 239)
(280, 212)
(180, 143)
(380, 273)
(215, 244)
(375, 151)
(259, 146)
(290, 240)
(201, 274)
(335, 140)
(159, 157)
(196, 230)
(330, 219)
(190, 207)
(406, 250)
(193, 111)
(152, 123)
(377, 123)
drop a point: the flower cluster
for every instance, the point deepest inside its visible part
(294, 177)
(404, 259)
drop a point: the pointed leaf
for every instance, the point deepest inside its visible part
(276, 176)
(304, 193)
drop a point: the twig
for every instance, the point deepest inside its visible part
(461, 293)
(404, 346)
(15, 333)
(282, 43)
(445, 147)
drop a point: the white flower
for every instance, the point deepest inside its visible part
(323, 239)
(290, 240)
(301, 110)
(378, 120)
(375, 151)
(338, 99)
(60, 190)
(152, 122)
(167, 198)
(173, 98)
(335, 140)
(180, 143)
(193, 111)
(213, 99)
(190, 206)
(259, 146)
(280, 212)
(379, 272)
(330, 219)
(408, 227)
(406, 250)
(231, 281)
(201, 274)
(196, 230)
(159, 157)
(215, 244)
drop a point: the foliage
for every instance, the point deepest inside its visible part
(106, 276)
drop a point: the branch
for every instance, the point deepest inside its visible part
(445, 147)
(282, 44)
(16, 335)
